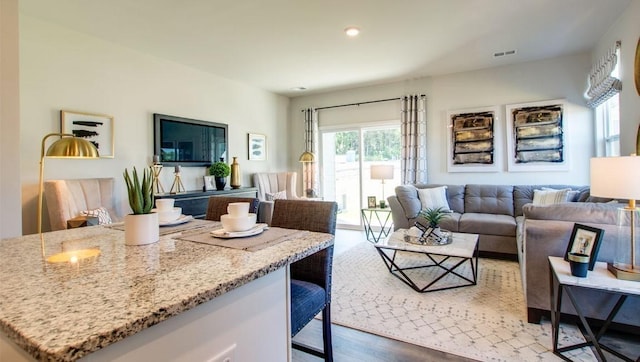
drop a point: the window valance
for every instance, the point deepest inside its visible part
(603, 84)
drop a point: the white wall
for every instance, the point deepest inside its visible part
(63, 69)
(627, 30)
(10, 220)
(563, 77)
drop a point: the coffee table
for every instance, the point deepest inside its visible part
(449, 258)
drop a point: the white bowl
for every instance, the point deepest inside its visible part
(238, 209)
(169, 215)
(238, 223)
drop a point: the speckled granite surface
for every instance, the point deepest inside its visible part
(60, 312)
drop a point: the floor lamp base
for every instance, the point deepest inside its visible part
(624, 271)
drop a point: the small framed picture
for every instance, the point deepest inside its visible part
(257, 144)
(209, 183)
(585, 240)
(371, 202)
(95, 128)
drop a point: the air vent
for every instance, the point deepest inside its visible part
(504, 53)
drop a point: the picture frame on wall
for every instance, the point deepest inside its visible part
(585, 240)
(536, 136)
(473, 140)
(95, 128)
(257, 147)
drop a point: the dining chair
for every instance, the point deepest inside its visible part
(218, 206)
(311, 276)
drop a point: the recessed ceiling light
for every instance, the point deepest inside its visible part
(352, 31)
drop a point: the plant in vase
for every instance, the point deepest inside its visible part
(141, 227)
(433, 217)
(220, 170)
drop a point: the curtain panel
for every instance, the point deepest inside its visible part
(413, 133)
(310, 169)
(602, 84)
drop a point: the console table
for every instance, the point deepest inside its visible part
(599, 279)
(195, 202)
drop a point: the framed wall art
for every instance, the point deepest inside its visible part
(257, 147)
(95, 128)
(536, 139)
(585, 240)
(472, 140)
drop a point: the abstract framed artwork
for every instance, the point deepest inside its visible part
(536, 138)
(257, 144)
(472, 140)
(95, 128)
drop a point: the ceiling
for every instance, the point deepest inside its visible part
(278, 45)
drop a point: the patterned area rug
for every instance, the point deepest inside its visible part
(485, 322)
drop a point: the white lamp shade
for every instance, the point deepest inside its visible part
(616, 177)
(381, 172)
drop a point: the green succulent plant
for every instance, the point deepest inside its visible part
(220, 169)
(140, 193)
(433, 216)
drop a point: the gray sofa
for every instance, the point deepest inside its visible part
(492, 211)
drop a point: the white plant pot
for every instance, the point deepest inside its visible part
(141, 229)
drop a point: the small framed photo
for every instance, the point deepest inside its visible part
(371, 202)
(209, 183)
(585, 240)
(257, 144)
(95, 128)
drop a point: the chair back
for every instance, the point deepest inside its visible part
(273, 182)
(218, 206)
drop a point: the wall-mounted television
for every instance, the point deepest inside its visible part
(188, 142)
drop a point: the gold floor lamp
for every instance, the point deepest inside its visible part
(67, 146)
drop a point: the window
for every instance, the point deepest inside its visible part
(608, 116)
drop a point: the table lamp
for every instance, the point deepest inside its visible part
(382, 172)
(617, 178)
(67, 146)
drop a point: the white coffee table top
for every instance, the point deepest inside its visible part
(463, 245)
(598, 278)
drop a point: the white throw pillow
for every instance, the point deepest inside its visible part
(434, 198)
(280, 195)
(101, 213)
(550, 196)
(572, 195)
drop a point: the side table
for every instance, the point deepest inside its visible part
(561, 281)
(382, 218)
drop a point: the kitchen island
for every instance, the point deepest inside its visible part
(211, 300)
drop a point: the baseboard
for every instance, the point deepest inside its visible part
(496, 255)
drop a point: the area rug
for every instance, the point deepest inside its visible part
(486, 322)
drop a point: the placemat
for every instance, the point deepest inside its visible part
(269, 237)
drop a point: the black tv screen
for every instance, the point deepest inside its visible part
(188, 142)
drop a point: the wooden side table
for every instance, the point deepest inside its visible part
(376, 217)
(600, 279)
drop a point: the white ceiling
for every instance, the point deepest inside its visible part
(277, 45)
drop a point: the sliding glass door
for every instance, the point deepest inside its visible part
(347, 157)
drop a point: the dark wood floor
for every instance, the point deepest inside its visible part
(350, 345)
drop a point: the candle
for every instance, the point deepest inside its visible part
(177, 169)
(156, 159)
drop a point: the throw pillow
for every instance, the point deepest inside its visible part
(434, 198)
(101, 213)
(280, 195)
(549, 196)
(572, 195)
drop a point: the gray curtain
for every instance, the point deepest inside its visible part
(413, 135)
(311, 145)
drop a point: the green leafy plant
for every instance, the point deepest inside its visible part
(140, 193)
(219, 169)
(433, 216)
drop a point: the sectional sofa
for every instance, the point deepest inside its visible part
(508, 223)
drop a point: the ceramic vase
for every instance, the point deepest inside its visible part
(235, 174)
(141, 229)
(221, 182)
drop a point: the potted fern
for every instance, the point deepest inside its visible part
(141, 227)
(433, 216)
(220, 170)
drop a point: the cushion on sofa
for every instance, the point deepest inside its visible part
(489, 199)
(433, 198)
(550, 196)
(523, 194)
(408, 198)
(488, 224)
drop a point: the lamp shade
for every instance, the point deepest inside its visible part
(307, 156)
(72, 147)
(616, 177)
(381, 172)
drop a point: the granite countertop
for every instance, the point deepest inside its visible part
(61, 312)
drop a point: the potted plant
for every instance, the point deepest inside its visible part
(433, 216)
(220, 170)
(141, 227)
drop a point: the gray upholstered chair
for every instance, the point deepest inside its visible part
(218, 206)
(67, 199)
(271, 186)
(311, 276)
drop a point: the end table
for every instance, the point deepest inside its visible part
(376, 217)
